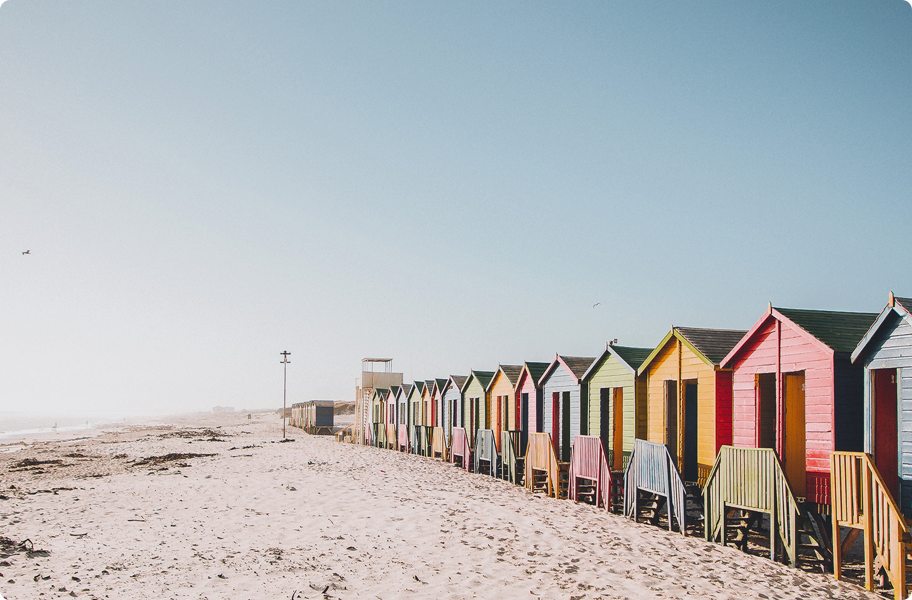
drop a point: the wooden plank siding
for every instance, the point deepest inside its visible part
(611, 373)
(476, 403)
(832, 395)
(452, 401)
(890, 347)
(502, 393)
(561, 387)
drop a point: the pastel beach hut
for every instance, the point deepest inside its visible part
(378, 417)
(427, 417)
(565, 401)
(878, 481)
(505, 418)
(438, 432)
(414, 417)
(617, 401)
(541, 464)
(458, 448)
(797, 399)
(531, 403)
(477, 417)
(689, 396)
(391, 435)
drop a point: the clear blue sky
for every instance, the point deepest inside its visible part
(454, 185)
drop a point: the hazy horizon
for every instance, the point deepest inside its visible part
(451, 185)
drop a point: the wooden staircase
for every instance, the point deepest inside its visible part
(543, 472)
(864, 504)
(589, 477)
(652, 477)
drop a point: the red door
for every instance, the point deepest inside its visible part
(885, 433)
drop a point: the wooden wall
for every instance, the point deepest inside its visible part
(676, 362)
(612, 373)
(475, 394)
(502, 387)
(892, 348)
(561, 380)
(526, 385)
(452, 397)
(796, 352)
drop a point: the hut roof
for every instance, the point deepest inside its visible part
(459, 380)
(631, 357)
(577, 365)
(903, 309)
(536, 370)
(841, 331)
(512, 372)
(714, 344)
(483, 377)
(441, 383)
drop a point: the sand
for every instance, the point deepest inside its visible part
(313, 518)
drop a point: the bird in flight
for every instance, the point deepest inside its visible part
(596, 304)
(27, 252)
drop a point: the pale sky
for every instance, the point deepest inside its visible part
(450, 184)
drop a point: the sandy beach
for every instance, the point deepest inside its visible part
(215, 506)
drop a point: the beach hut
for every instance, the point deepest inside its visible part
(317, 416)
(506, 419)
(377, 431)
(391, 435)
(688, 397)
(452, 404)
(427, 417)
(438, 433)
(796, 391)
(565, 398)
(881, 476)
(414, 417)
(617, 401)
(402, 417)
(530, 400)
(476, 405)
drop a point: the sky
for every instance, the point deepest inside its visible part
(452, 185)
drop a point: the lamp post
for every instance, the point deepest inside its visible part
(284, 363)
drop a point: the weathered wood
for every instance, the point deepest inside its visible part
(589, 461)
(460, 448)
(862, 501)
(540, 456)
(486, 450)
(652, 469)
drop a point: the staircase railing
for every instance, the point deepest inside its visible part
(540, 456)
(652, 469)
(403, 438)
(862, 501)
(438, 443)
(460, 447)
(509, 443)
(751, 479)
(486, 449)
(588, 461)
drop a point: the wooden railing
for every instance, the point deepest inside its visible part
(460, 447)
(345, 432)
(651, 469)
(509, 443)
(588, 461)
(751, 479)
(486, 449)
(862, 502)
(438, 443)
(403, 437)
(540, 456)
(390, 435)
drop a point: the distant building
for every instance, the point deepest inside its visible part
(371, 379)
(223, 409)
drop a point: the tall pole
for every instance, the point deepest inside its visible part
(284, 362)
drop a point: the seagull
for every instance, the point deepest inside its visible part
(596, 304)
(27, 252)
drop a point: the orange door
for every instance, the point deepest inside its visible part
(618, 422)
(794, 445)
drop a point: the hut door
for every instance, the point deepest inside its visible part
(555, 421)
(765, 385)
(617, 445)
(671, 418)
(690, 431)
(794, 453)
(885, 431)
(524, 424)
(605, 418)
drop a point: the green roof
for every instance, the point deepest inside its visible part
(483, 377)
(841, 331)
(632, 356)
(536, 370)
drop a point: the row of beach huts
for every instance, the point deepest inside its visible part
(795, 434)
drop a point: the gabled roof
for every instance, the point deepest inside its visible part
(577, 365)
(535, 370)
(483, 377)
(841, 331)
(902, 307)
(415, 389)
(404, 391)
(441, 384)
(511, 372)
(420, 386)
(458, 381)
(628, 356)
(710, 345)
(393, 391)
(834, 331)
(379, 392)
(429, 386)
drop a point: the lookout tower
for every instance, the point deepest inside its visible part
(375, 373)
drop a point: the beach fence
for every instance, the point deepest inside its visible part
(438, 443)
(511, 460)
(863, 503)
(590, 477)
(743, 483)
(542, 469)
(460, 451)
(487, 458)
(653, 472)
